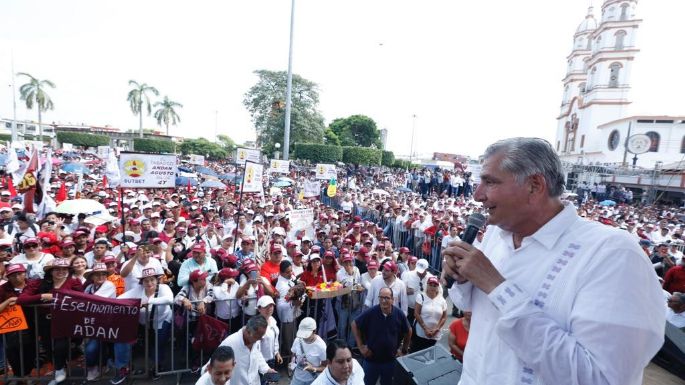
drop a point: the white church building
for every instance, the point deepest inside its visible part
(597, 114)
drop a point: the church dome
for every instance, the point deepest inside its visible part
(589, 24)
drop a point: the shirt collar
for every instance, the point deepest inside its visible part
(550, 232)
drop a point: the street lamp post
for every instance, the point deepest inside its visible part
(277, 152)
(411, 147)
(289, 88)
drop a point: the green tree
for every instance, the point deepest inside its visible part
(226, 142)
(330, 138)
(33, 93)
(204, 147)
(265, 102)
(138, 96)
(356, 130)
(166, 113)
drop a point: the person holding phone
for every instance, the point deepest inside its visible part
(252, 287)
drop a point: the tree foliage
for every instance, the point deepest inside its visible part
(33, 93)
(318, 153)
(388, 158)
(362, 155)
(356, 130)
(203, 147)
(137, 97)
(82, 139)
(154, 145)
(166, 113)
(265, 102)
(330, 138)
(226, 142)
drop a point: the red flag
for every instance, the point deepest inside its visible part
(28, 184)
(104, 181)
(10, 187)
(61, 193)
(188, 186)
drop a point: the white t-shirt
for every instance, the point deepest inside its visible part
(131, 280)
(356, 378)
(34, 269)
(107, 290)
(431, 312)
(226, 304)
(313, 353)
(269, 342)
(206, 379)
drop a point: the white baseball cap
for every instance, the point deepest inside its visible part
(421, 266)
(307, 327)
(265, 301)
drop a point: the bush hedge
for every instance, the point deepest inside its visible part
(82, 139)
(404, 164)
(388, 158)
(5, 137)
(154, 145)
(362, 155)
(318, 153)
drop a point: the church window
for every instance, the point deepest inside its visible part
(655, 138)
(615, 69)
(591, 82)
(614, 140)
(620, 39)
(598, 45)
(624, 12)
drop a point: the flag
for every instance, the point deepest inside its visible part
(28, 182)
(13, 166)
(104, 181)
(112, 170)
(61, 194)
(188, 188)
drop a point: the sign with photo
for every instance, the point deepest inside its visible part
(280, 166)
(147, 170)
(247, 155)
(326, 171)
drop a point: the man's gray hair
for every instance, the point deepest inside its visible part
(524, 157)
(255, 323)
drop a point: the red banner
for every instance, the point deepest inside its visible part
(75, 314)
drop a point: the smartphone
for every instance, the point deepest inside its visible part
(253, 275)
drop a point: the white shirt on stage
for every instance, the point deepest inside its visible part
(581, 304)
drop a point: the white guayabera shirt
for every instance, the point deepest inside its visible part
(581, 304)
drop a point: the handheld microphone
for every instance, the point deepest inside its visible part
(475, 223)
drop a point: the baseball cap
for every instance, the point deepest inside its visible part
(265, 301)
(347, 258)
(433, 281)
(390, 265)
(421, 266)
(15, 268)
(197, 275)
(306, 328)
(372, 264)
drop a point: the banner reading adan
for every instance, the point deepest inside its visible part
(147, 170)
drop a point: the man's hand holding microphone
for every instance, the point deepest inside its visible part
(463, 262)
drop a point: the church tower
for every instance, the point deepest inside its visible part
(597, 82)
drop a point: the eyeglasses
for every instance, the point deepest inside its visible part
(31, 246)
(384, 298)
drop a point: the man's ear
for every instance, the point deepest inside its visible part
(537, 184)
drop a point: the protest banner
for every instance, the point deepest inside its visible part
(301, 220)
(247, 155)
(76, 314)
(252, 179)
(103, 152)
(280, 166)
(326, 171)
(311, 189)
(12, 319)
(67, 146)
(197, 159)
(147, 170)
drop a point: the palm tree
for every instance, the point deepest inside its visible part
(33, 92)
(139, 95)
(166, 113)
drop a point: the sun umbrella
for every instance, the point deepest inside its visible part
(607, 202)
(75, 168)
(286, 179)
(282, 183)
(79, 206)
(379, 192)
(185, 169)
(403, 189)
(212, 184)
(206, 171)
(183, 181)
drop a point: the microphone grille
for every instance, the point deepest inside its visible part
(476, 219)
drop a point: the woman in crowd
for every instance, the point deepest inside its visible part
(155, 311)
(309, 354)
(330, 266)
(20, 348)
(270, 341)
(459, 334)
(68, 249)
(79, 266)
(101, 287)
(313, 273)
(430, 312)
(252, 287)
(57, 276)
(113, 274)
(33, 259)
(192, 298)
(222, 294)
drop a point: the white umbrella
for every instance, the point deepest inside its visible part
(379, 192)
(78, 206)
(100, 219)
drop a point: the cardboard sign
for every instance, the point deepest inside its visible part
(247, 155)
(326, 171)
(197, 159)
(311, 189)
(147, 170)
(103, 152)
(301, 220)
(76, 314)
(12, 319)
(252, 179)
(280, 166)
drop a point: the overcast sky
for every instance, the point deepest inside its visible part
(471, 71)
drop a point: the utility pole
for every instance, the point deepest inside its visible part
(289, 88)
(411, 147)
(216, 126)
(14, 102)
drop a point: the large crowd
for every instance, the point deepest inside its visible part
(191, 252)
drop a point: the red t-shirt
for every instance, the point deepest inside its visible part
(457, 330)
(270, 271)
(310, 279)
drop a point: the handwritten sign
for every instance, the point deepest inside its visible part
(12, 319)
(76, 314)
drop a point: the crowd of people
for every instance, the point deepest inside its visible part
(191, 252)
